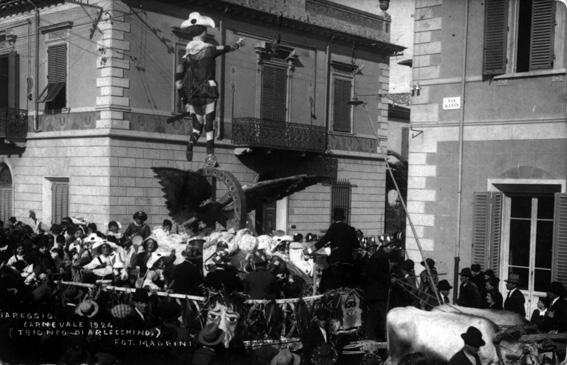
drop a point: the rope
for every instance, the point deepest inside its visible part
(389, 169)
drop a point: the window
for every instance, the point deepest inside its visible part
(9, 77)
(522, 230)
(342, 110)
(522, 36)
(341, 198)
(59, 199)
(54, 94)
(273, 104)
(6, 189)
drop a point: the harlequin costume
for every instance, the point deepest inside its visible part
(195, 81)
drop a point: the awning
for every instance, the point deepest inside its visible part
(50, 92)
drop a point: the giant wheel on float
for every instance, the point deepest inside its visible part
(228, 192)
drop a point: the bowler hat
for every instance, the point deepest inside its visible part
(473, 337)
(339, 214)
(557, 288)
(475, 267)
(444, 285)
(513, 278)
(429, 261)
(466, 272)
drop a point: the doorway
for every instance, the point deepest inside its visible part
(528, 243)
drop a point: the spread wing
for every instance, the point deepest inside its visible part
(272, 190)
(184, 191)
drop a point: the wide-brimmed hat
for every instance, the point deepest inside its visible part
(513, 278)
(87, 308)
(466, 272)
(98, 245)
(473, 337)
(285, 357)
(557, 288)
(444, 285)
(71, 295)
(196, 24)
(151, 237)
(121, 311)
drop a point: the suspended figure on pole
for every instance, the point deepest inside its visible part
(195, 81)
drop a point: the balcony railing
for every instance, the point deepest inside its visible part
(13, 124)
(254, 132)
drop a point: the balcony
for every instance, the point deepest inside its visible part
(259, 133)
(13, 124)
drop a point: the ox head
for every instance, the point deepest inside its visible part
(512, 350)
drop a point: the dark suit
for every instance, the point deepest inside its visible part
(313, 338)
(461, 359)
(186, 278)
(555, 317)
(515, 302)
(261, 284)
(343, 241)
(469, 295)
(481, 285)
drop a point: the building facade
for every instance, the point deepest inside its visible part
(487, 151)
(91, 84)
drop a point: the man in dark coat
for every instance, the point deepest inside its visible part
(469, 294)
(318, 334)
(376, 286)
(555, 318)
(478, 278)
(187, 277)
(223, 277)
(468, 355)
(260, 283)
(514, 299)
(343, 241)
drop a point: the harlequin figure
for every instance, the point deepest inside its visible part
(195, 81)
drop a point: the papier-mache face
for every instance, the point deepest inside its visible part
(221, 325)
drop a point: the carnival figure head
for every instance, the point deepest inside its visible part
(222, 320)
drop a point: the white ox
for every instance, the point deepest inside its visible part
(501, 318)
(438, 334)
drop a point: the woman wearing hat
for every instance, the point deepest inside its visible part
(195, 80)
(468, 355)
(138, 227)
(102, 266)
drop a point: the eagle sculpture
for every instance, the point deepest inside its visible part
(190, 199)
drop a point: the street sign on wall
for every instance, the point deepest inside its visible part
(453, 102)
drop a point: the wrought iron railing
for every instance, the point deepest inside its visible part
(255, 132)
(13, 124)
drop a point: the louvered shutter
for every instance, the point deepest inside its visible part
(341, 107)
(59, 200)
(495, 36)
(274, 93)
(543, 22)
(13, 80)
(559, 263)
(57, 64)
(5, 203)
(487, 229)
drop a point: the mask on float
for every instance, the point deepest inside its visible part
(221, 325)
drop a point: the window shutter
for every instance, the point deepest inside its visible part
(59, 200)
(543, 22)
(57, 64)
(13, 80)
(274, 93)
(495, 36)
(559, 264)
(341, 107)
(487, 228)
